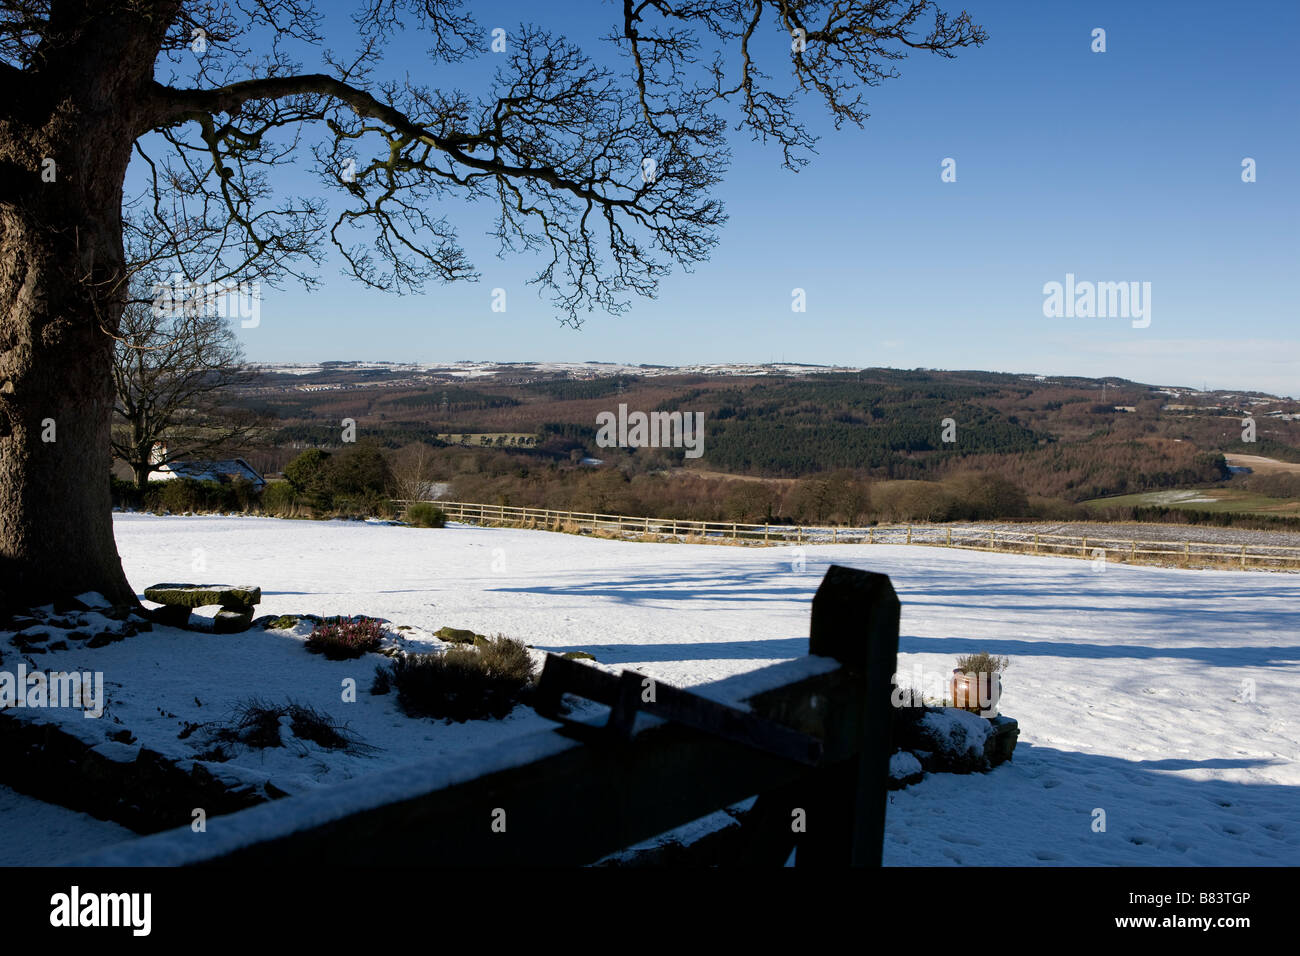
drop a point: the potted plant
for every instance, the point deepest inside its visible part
(976, 684)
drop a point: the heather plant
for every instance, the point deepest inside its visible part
(342, 638)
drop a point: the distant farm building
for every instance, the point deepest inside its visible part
(222, 472)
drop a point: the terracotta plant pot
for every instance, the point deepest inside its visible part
(966, 692)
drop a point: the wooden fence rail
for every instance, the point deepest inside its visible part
(1026, 542)
(556, 797)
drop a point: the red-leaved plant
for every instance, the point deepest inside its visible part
(340, 638)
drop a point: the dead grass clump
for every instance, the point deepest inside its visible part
(258, 724)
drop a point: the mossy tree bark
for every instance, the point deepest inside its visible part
(65, 141)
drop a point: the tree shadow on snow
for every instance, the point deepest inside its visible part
(1039, 809)
(1234, 656)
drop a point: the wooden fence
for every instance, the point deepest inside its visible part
(811, 738)
(1093, 547)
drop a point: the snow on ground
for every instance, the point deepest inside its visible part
(1112, 531)
(1132, 685)
(38, 833)
(1179, 497)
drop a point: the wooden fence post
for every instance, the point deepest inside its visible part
(909, 534)
(871, 536)
(949, 542)
(854, 620)
(1243, 555)
(1084, 548)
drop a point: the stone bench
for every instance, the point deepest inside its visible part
(178, 600)
(1001, 743)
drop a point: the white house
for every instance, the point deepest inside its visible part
(222, 472)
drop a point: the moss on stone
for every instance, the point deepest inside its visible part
(204, 595)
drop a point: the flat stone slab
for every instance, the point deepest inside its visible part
(231, 597)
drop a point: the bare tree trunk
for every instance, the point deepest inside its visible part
(56, 528)
(61, 297)
(142, 472)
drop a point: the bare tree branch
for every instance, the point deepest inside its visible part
(607, 176)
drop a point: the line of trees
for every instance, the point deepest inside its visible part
(362, 479)
(840, 498)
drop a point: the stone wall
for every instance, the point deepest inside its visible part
(130, 785)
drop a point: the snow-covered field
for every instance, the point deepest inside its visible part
(1108, 532)
(1166, 698)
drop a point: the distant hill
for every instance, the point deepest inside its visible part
(1056, 436)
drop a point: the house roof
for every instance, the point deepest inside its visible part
(218, 471)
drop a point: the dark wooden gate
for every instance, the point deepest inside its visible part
(577, 794)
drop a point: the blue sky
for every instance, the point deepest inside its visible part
(1115, 166)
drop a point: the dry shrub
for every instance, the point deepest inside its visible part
(257, 724)
(464, 683)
